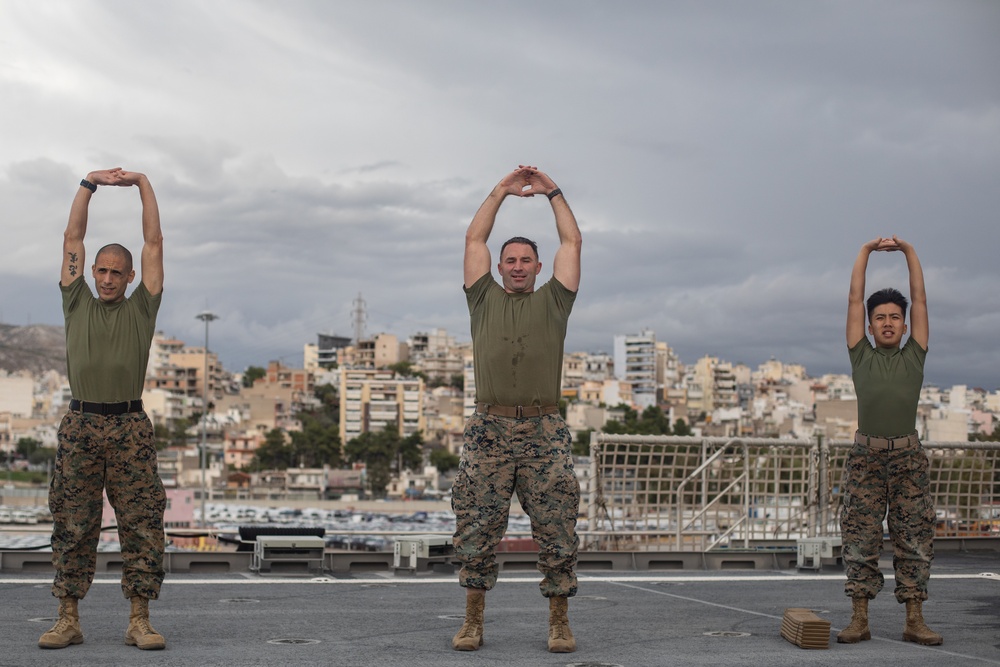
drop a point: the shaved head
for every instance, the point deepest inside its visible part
(119, 250)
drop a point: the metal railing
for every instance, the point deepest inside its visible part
(701, 494)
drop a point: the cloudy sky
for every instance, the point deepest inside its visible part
(725, 161)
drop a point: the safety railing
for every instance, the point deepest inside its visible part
(700, 494)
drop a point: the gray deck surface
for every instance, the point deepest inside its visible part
(642, 618)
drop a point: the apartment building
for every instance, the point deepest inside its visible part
(323, 353)
(635, 363)
(370, 399)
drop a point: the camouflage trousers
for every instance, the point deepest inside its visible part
(876, 479)
(114, 453)
(533, 457)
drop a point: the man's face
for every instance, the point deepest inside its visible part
(111, 276)
(887, 325)
(518, 267)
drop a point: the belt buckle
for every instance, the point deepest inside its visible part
(519, 412)
(891, 444)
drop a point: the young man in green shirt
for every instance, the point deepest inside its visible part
(887, 467)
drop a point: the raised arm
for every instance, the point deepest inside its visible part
(919, 327)
(76, 228)
(566, 265)
(477, 253)
(856, 295)
(152, 237)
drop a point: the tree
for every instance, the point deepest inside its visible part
(274, 453)
(581, 447)
(411, 452)
(26, 447)
(444, 460)
(987, 437)
(405, 369)
(252, 374)
(34, 451)
(330, 401)
(383, 453)
(317, 444)
(681, 427)
(377, 450)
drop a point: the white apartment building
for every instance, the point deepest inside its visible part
(635, 363)
(371, 399)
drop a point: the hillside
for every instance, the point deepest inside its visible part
(36, 347)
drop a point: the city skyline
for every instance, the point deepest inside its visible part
(725, 162)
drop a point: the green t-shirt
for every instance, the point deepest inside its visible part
(887, 384)
(517, 342)
(107, 345)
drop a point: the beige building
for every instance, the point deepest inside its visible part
(17, 394)
(371, 399)
(712, 386)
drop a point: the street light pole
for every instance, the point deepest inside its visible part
(205, 317)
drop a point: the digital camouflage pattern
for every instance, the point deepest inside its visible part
(875, 479)
(116, 453)
(533, 457)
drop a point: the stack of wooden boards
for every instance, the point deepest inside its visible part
(805, 629)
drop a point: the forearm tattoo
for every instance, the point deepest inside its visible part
(73, 258)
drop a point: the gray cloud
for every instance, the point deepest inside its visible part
(725, 161)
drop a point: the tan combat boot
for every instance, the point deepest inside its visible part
(916, 630)
(470, 637)
(858, 629)
(66, 631)
(560, 636)
(140, 633)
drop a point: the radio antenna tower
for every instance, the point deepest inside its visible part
(359, 319)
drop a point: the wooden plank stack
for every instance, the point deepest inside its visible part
(805, 629)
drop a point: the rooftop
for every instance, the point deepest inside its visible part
(634, 618)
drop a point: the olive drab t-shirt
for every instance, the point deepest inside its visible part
(887, 384)
(107, 345)
(517, 342)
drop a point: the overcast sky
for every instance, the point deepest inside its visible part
(725, 160)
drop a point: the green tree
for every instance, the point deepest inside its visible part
(26, 447)
(251, 374)
(317, 444)
(458, 381)
(377, 450)
(653, 421)
(581, 446)
(274, 453)
(444, 460)
(383, 453)
(681, 427)
(161, 436)
(329, 400)
(411, 452)
(406, 369)
(987, 437)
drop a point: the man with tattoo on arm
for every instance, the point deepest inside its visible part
(106, 439)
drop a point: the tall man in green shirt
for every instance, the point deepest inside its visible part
(106, 439)
(517, 440)
(887, 467)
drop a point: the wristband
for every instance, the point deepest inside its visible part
(554, 193)
(87, 184)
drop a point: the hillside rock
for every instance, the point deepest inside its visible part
(36, 348)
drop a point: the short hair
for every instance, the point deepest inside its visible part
(117, 249)
(519, 239)
(883, 296)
